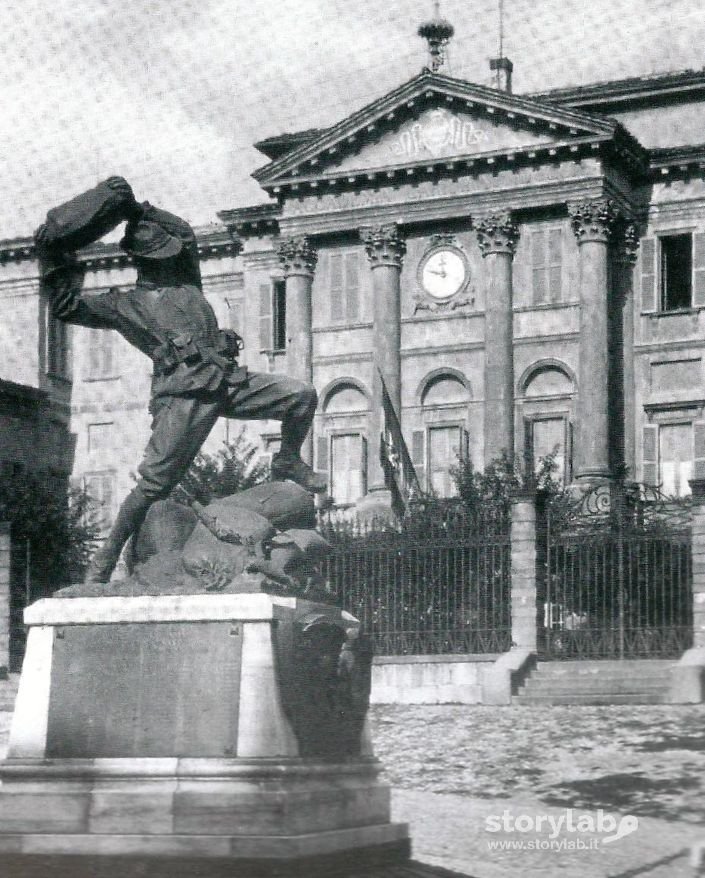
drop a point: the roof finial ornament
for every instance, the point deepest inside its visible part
(437, 32)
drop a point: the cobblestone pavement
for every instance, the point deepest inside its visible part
(454, 766)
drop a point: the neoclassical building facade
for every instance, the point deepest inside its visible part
(493, 272)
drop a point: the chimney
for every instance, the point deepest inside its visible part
(503, 73)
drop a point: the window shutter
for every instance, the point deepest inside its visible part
(648, 275)
(336, 288)
(528, 446)
(68, 350)
(464, 448)
(107, 499)
(363, 463)
(352, 294)
(418, 455)
(265, 317)
(322, 454)
(235, 315)
(94, 359)
(699, 450)
(538, 261)
(650, 454)
(108, 352)
(555, 262)
(568, 453)
(699, 270)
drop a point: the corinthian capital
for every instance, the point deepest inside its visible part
(497, 234)
(298, 256)
(593, 220)
(384, 245)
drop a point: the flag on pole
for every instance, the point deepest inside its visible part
(399, 470)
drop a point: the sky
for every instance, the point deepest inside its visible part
(173, 94)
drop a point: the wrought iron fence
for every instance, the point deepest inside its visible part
(617, 577)
(438, 582)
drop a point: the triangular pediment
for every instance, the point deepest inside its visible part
(429, 119)
(441, 132)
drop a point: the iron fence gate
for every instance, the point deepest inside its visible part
(617, 577)
(433, 584)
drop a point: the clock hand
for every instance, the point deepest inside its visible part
(441, 273)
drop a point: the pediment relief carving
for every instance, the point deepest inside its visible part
(440, 133)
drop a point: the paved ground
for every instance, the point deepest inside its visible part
(454, 767)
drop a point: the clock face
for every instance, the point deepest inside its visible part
(443, 273)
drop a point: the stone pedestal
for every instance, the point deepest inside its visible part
(524, 570)
(191, 727)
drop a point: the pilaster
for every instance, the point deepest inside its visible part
(624, 381)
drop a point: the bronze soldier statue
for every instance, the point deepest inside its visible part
(196, 376)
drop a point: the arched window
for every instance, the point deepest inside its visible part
(341, 447)
(546, 390)
(442, 441)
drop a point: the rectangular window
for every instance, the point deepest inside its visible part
(101, 353)
(547, 265)
(272, 315)
(675, 449)
(548, 436)
(100, 437)
(58, 348)
(344, 288)
(279, 315)
(676, 276)
(445, 448)
(100, 487)
(347, 468)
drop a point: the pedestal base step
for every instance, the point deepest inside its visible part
(389, 860)
(250, 848)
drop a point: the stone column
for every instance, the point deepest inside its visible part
(497, 237)
(4, 599)
(298, 259)
(523, 587)
(385, 250)
(593, 222)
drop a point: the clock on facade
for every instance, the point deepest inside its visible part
(443, 272)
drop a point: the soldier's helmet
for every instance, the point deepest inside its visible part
(148, 240)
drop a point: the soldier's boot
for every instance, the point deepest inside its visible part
(290, 466)
(128, 521)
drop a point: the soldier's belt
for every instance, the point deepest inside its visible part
(184, 349)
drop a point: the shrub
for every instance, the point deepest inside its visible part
(231, 469)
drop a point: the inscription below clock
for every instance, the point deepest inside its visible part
(443, 273)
